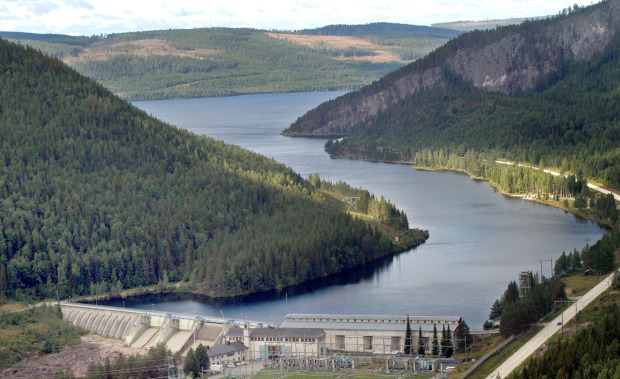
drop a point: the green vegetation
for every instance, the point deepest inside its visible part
(152, 365)
(96, 195)
(34, 332)
(569, 125)
(497, 359)
(196, 362)
(169, 64)
(567, 122)
(412, 41)
(600, 257)
(517, 314)
(592, 352)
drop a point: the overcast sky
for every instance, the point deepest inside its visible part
(88, 17)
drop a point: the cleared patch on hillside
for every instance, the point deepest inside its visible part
(381, 53)
(110, 48)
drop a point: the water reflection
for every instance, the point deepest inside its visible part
(479, 240)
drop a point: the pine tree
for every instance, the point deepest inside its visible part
(191, 365)
(435, 341)
(446, 343)
(421, 349)
(202, 358)
(408, 338)
(496, 310)
(3, 281)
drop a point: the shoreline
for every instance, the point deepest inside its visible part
(526, 197)
(182, 288)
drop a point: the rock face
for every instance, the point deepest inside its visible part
(513, 59)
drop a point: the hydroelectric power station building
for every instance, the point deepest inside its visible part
(322, 334)
(301, 335)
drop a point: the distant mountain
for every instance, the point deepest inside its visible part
(226, 61)
(468, 26)
(383, 30)
(543, 91)
(96, 196)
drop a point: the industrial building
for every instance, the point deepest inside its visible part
(322, 334)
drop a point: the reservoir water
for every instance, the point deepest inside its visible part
(479, 239)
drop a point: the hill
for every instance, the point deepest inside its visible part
(543, 92)
(226, 61)
(97, 196)
(468, 26)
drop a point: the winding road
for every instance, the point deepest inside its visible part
(548, 331)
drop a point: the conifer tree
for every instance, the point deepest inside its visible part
(446, 342)
(190, 366)
(435, 341)
(421, 349)
(408, 338)
(202, 358)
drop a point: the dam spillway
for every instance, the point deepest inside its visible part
(143, 330)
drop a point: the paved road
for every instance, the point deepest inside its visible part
(554, 173)
(548, 331)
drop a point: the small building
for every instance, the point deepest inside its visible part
(227, 353)
(590, 271)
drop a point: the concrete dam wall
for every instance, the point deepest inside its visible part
(142, 329)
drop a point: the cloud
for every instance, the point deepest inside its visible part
(111, 16)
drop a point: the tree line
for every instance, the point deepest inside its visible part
(97, 195)
(567, 122)
(237, 61)
(592, 352)
(518, 308)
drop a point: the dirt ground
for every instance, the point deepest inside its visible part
(141, 48)
(93, 348)
(383, 55)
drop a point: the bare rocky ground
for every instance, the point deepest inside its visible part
(93, 348)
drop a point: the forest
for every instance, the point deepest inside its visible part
(571, 126)
(593, 351)
(96, 195)
(516, 314)
(202, 62)
(567, 122)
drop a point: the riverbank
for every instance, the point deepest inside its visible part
(530, 196)
(403, 241)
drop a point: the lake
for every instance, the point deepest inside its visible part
(479, 239)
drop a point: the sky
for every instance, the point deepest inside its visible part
(89, 17)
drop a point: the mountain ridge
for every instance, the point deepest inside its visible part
(506, 60)
(183, 63)
(96, 197)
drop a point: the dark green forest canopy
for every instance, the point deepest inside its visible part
(94, 193)
(570, 121)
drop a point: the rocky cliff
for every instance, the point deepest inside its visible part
(507, 59)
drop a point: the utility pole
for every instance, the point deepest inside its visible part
(171, 373)
(541, 267)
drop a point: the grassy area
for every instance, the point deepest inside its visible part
(34, 332)
(578, 284)
(488, 367)
(12, 306)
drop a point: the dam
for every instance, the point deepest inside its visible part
(143, 330)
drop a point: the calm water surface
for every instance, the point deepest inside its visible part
(479, 240)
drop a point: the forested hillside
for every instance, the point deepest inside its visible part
(225, 61)
(543, 92)
(95, 194)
